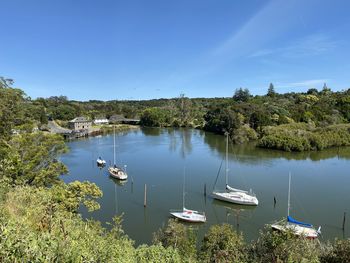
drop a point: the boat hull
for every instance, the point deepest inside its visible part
(117, 173)
(189, 216)
(297, 230)
(236, 198)
(101, 163)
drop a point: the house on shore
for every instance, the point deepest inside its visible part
(79, 123)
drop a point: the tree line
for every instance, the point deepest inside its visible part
(289, 122)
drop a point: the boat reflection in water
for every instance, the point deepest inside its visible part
(238, 212)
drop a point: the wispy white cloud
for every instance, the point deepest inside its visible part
(311, 83)
(311, 45)
(272, 20)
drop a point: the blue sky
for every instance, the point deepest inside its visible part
(109, 49)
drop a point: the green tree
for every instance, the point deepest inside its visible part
(223, 244)
(259, 118)
(271, 91)
(241, 95)
(312, 91)
(221, 120)
(273, 246)
(11, 108)
(32, 159)
(155, 117)
(177, 236)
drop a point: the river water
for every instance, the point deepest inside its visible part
(320, 185)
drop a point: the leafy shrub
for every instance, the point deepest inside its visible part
(339, 253)
(274, 246)
(223, 244)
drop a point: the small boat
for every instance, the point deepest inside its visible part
(234, 195)
(115, 171)
(188, 214)
(100, 162)
(296, 227)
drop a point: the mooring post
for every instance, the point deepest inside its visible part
(274, 201)
(205, 189)
(145, 197)
(344, 221)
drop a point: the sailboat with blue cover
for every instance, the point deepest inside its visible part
(296, 227)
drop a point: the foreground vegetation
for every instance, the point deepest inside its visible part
(39, 219)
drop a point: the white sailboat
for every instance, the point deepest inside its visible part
(188, 214)
(115, 171)
(234, 195)
(296, 227)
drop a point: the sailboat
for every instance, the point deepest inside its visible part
(296, 227)
(188, 214)
(234, 195)
(115, 171)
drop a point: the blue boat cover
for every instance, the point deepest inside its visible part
(292, 220)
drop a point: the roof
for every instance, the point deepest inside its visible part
(117, 117)
(79, 119)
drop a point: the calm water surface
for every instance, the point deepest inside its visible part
(320, 189)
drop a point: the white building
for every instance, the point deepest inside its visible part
(101, 121)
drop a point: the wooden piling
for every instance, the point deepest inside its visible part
(274, 201)
(344, 221)
(145, 197)
(205, 189)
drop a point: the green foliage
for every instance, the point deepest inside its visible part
(223, 244)
(35, 229)
(155, 117)
(241, 95)
(305, 137)
(339, 252)
(32, 159)
(179, 237)
(11, 110)
(157, 253)
(244, 134)
(259, 118)
(221, 120)
(274, 246)
(64, 112)
(271, 91)
(72, 195)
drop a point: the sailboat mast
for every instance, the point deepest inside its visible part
(183, 190)
(288, 195)
(114, 144)
(226, 162)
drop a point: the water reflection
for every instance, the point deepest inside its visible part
(237, 213)
(250, 154)
(156, 156)
(180, 139)
(151, 131)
